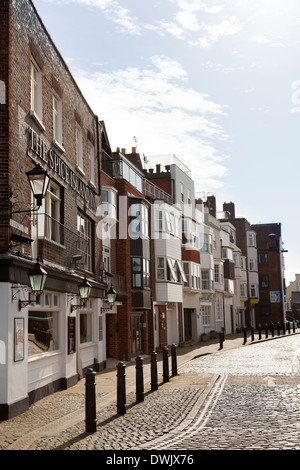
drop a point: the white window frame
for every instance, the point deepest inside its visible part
(206, 314)
(89, 327)
(91, 153)
(109, 204)
(107, 259)
(182, 192)
(36, 91)
(253, 290)
(173, 271)
(55, 316)
(251, 239)
(84, 227)
(219, 309)
(160, 269)
(181, 270)
(57, 119)
(79, 147)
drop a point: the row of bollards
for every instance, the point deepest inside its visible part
(270, 328)
(121, 385)
(90, 385)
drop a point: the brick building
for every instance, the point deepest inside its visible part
(45, 120)
(271, 305)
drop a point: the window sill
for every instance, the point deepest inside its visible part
(80, 170)
(58, 146)
(45, 355)
(37, 120)
(52, 241)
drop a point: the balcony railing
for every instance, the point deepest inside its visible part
(61, 245)
(154, 192)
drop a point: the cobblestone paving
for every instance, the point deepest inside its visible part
(276, 357)
(255, 404)
(160, 412)
(249, 417)
(258, 404)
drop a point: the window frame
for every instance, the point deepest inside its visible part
(36, 93)
(79, 146)
(91, 163)
(88, 253)
(57, 119)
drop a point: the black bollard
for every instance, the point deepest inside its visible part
(288, 325)
(283, 328)
(221, 339)
(252, 333)
(154, 381)
(165, 364)
(139, 379)
(90, 401)
(272, 329)
(278, 328)
(259, 331)
(245, 334)
(223, 333)
(174, 360)
(121, 389)
(266, 330)
(294, 329)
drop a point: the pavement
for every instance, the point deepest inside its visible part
(57, 422)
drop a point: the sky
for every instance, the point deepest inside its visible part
(215, 83)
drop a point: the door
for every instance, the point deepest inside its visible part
(188, 323)
(156, 327)
(136, 333)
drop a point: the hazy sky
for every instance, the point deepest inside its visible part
(216, 83)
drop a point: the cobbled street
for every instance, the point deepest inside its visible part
(246, 398)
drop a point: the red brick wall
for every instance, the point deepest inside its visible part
(29, 37)
(4, 125)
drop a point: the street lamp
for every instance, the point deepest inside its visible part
(37, 278)
(39, 181)
(84, 292)
(111, 295)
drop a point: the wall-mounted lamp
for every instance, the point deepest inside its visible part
(37, 278)
(111, 295)
(84, 292)
(39, 180)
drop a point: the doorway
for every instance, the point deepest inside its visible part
(136, 333)
(188, 323)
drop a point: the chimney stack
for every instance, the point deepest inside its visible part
(229, 207)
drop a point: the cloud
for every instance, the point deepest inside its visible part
(112, 10)
(265, 38)
(155, 104)
(213, 32)
(198, 5)
(188, 20)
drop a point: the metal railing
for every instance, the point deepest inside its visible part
(59, 244)
(154, 192)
